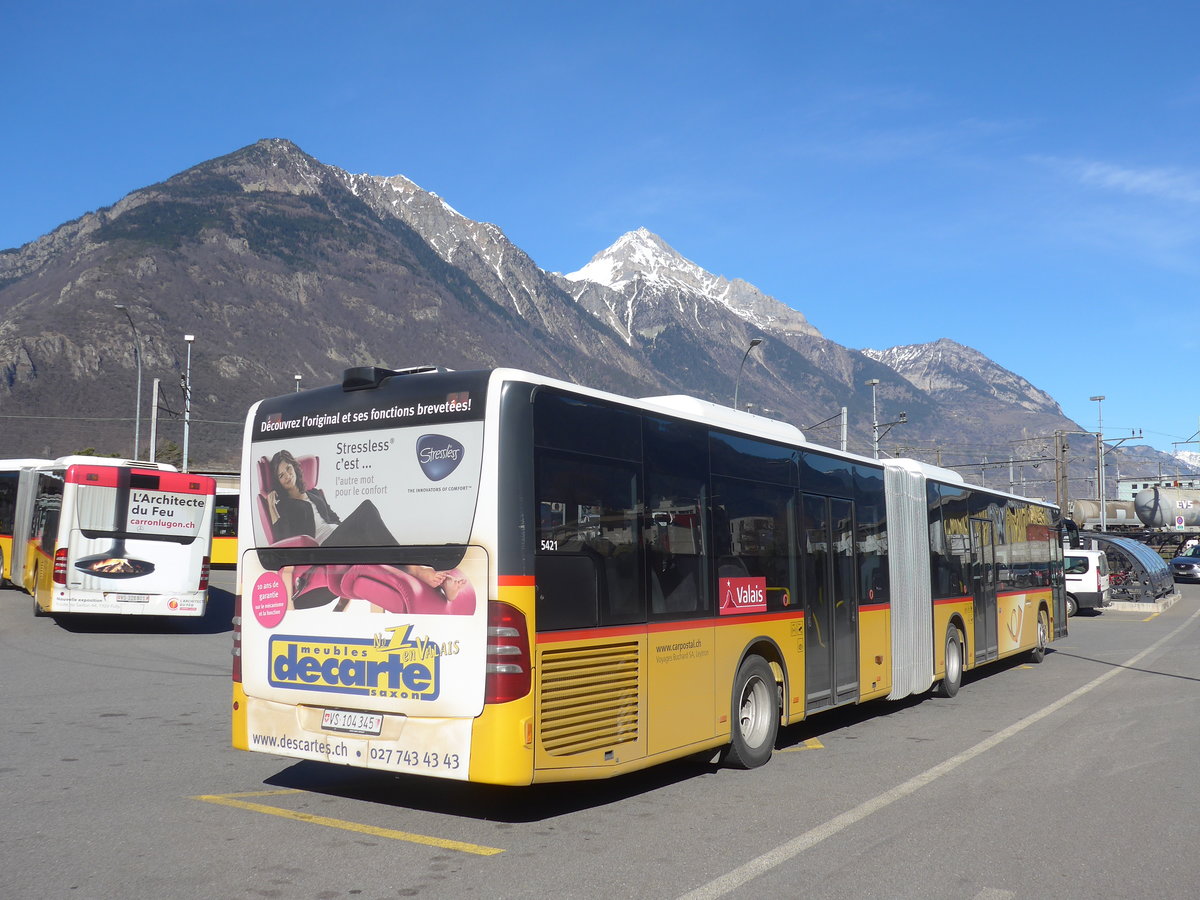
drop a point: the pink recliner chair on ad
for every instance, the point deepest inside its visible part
(395, 590)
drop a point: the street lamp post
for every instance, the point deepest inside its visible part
(872, 384)
(297, 384)
(187, 398)
(137, 355)
(1099, 401)
(738, 382)
(153, 420)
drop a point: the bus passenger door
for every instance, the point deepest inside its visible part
(830, 602)
(983, 589)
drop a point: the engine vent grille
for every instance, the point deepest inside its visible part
(589, 698)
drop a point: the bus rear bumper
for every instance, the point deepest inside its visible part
(437, 747)
(131, 603)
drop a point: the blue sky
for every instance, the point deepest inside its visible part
(1021, 177)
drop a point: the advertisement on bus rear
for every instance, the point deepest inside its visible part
(336, 617)
(136, 538)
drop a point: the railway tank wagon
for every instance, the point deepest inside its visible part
(1159, 507)
(1119, 515)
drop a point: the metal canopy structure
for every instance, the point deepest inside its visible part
(1146, 575)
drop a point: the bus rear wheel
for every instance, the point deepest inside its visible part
(1038, 653)
(37, 577)
(754, 715)
(952, 681)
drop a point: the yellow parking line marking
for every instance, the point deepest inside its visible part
(1152, 616)
(254, 793)
(232, 800)
(810, 744)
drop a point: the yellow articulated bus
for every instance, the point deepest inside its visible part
(503, 578)
(11, 508)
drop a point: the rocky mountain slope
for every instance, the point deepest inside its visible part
(281, 266)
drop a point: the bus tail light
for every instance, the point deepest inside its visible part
(60, 566)
(508, 662)
(204, 574)
(237, 637)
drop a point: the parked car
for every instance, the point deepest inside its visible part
(1187, 566)
(1087, 580)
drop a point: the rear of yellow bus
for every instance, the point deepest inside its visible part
(364, 635)
(224, 538)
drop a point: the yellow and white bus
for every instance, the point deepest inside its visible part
(225, 520)
(499, 577)
(98, 535)
(10, 493)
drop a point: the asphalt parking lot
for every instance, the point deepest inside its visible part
(1073, 778)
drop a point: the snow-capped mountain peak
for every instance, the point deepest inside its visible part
(640, 254)
(1191, 457)
(643, 267)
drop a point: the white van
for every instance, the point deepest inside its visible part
(1087, 581)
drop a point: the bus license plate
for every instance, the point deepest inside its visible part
(128, 598)
(351, 722)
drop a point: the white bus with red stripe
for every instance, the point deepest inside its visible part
(94, 535)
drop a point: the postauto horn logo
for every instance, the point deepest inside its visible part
(438, 455)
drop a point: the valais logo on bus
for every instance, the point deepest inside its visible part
(743, 595)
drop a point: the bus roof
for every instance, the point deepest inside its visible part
(63, 461)
(679, 405)
(736, 419)
(10, 464)
(227, 483)
(932, 472)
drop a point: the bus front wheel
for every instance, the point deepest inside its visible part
(954, 664)
(755, 715)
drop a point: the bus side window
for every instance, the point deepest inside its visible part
(8, 501)
(49, 503)
(754, 536)
(225, 517)
(674, 557)
(588, 565)
(675, 522)
(49, 529)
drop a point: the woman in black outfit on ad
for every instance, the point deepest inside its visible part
(296, 509)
